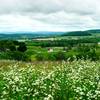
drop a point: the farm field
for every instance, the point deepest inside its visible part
(68, 46)
(77, 80)
(59, 48)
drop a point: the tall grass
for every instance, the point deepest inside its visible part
(77, 80)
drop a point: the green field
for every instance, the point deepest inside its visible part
(52, 49)
(69, 46)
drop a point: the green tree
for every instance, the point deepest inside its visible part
(22, 47)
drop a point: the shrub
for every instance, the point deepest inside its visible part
(22, 47)
(16, 55)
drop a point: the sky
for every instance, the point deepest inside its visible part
(49, 15)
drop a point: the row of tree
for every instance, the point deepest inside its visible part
(62, 43)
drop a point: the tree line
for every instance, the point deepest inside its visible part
(63, 42)
(12, 50)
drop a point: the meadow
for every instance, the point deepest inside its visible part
(76, 80)
(50, 68)
(54, 48)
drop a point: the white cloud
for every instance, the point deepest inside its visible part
(49, 15)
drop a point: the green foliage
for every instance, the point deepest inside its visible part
(77, 33)
(82, 53)
(40, 57)
(77, 80)
(18, 56)
(60, 56)
(64, 42)
(15, 55)
(22, 47)
(12, 50)
(62, 50)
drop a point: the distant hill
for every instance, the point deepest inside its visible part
(94, 31)
(78, 33)
(28, 35)
(32, 35)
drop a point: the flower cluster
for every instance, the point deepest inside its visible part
(77, 80)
